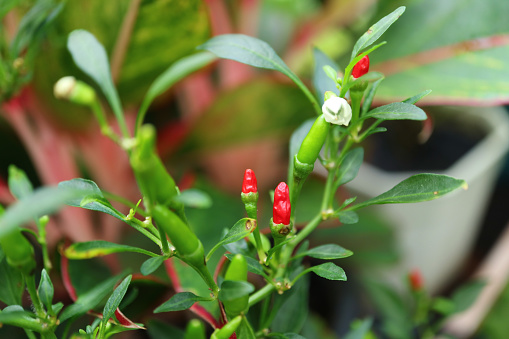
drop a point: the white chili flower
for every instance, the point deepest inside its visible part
(337, 111)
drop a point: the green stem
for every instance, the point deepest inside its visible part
(308, 93)
(251, 213)
(207, 277)
(30, 334)
(164, 242)
(141, 227)
(261, 294)
(123, 201)
(32, 291)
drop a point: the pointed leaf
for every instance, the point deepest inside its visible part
(324, 74)
(368, 98)
(328, 271)
(245, 330)
(327, 252)
(417, 97)
(231, 290)
(115, 299)
(350, 166)
(194, 198)
(98, 248)
(90, 56)
(417, 188)
(12, 284)
(46, 290)
(240, 230)
(396, 111)
(19, 185)
(375, 31)
(152, 264)
(348, 217)
(179, 302)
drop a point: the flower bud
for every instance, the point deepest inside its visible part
(337, 111)
(281, 211)
(361, 67)
(416, 280)
(329, 94)
(78, 92)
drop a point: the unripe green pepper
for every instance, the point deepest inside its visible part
(156, 184)
(18, 250)
(187, 244)
(313, 142)
(195, 330)
(237, 271)
(228, 329)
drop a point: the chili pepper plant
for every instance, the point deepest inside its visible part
(261, 265)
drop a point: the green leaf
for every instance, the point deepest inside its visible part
(194, 198)
(46, 290)
(176, 72)
(275, 248)
(12, 284)
(361, 330)
(99, 248)
(375, 31)
(45, 200)
(293, 308)
(368, 98)
(90, 56)
(245, 331)
(21, 319)
(89, 299)
(253, 265)
(152, 264)
(466, 295)
(327, 252)
(179, 302)
(231, 290)
(324, 74)
(396, 111)
(348, 217)
(253, 52)
(240, 230)
(115, 299)
(19, 185)
(417, 188)
(417, 97)
(328, 271)
(350, 165)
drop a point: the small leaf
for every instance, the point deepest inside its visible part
(152, 264)
(240, 230)
(46, 290)
(348, 217)
(328, 252)
(12, 284)
(328, 271)
(350, 166)
(231, 290)
(89, 299)
(245, 331)
(98, 248)
(368, 99)
(417, 188)
(253, 265)
(466, 295)
(19, 185)
(377, 130)
(375, 31)
(194, 198)
(179, 302)
(361, 330)
(90, 56)
(275, 248)
(397, 111)
(115, 299)
(417, 97)
(324, 74)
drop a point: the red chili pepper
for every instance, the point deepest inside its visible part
(249, 184)
(361, 68)
(281, 211)
(416, 280)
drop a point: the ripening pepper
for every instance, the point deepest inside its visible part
(361, 67)
(249, 193)
(237, 271)
(416, 280)
(281, 212)
(228, 329)
(187, 244)
(18, 251)
(156, 184)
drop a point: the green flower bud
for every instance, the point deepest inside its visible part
(68, 88)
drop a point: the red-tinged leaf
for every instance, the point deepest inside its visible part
(126, 322)
(66, 278)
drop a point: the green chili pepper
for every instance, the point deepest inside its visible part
(195, 330)
(227, 330)
(187, 244)
(18, 250)
(155, 183)
(313, 142)
(237, 271)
